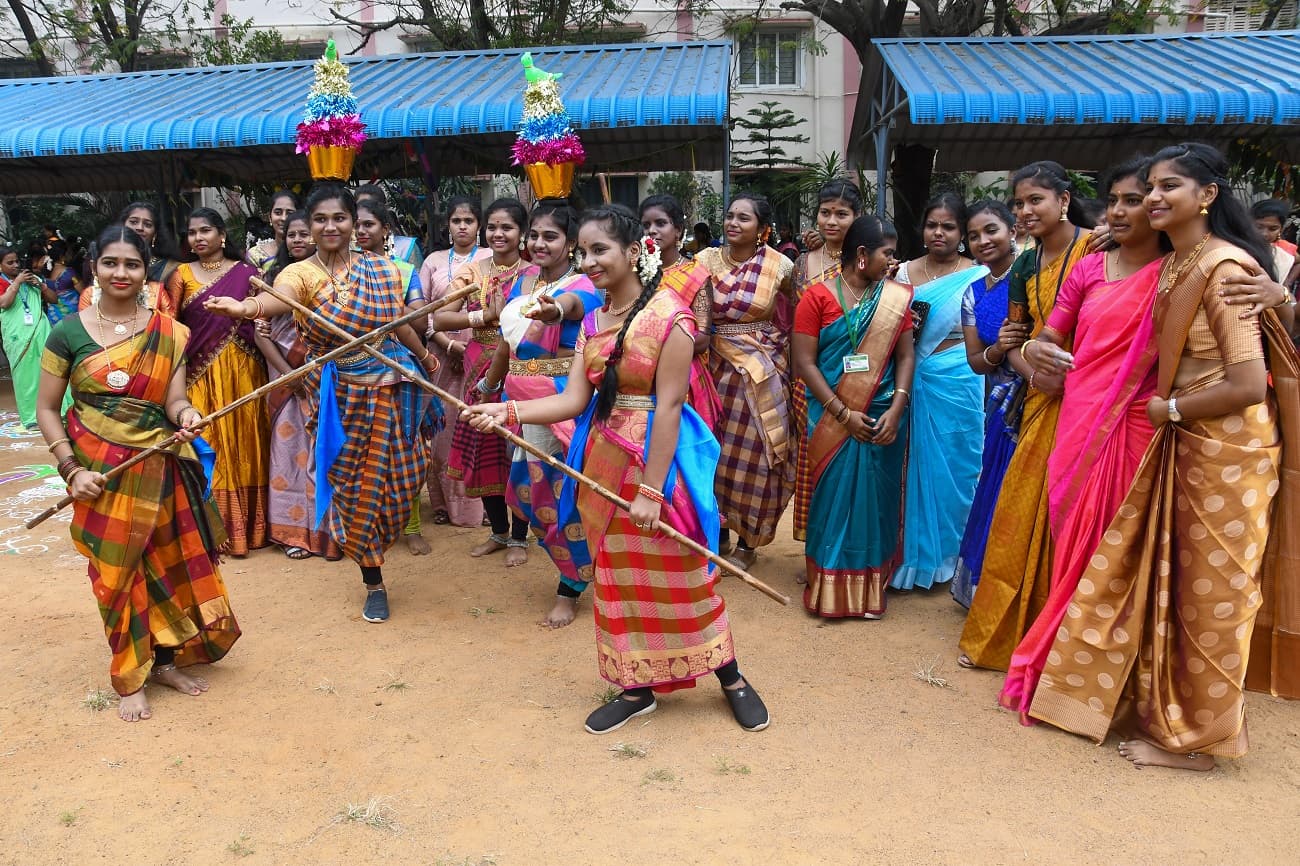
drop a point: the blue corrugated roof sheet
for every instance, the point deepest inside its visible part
(1171, 79)
(609, 90)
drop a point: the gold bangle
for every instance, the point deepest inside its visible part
(906, 393)
(58, 442)
(1024, 347)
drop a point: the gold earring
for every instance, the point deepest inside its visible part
(1205, 209)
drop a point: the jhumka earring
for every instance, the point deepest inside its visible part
(1064, 211)
(389, 246)
(1205, 210)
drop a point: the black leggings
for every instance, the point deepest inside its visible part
(163, 655)
(503, 519)
(372, 575)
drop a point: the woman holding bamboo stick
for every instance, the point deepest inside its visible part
(634, 356)
(152, 533)
(369, 422)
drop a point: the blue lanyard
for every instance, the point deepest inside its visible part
(450, 260)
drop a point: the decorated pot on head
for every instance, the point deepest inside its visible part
(331, 132)
(546, 146)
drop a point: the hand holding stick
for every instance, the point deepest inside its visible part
(519, 442)
(191, 430)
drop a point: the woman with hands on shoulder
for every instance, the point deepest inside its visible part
(633, 356)
(854, 350)
(161, 596)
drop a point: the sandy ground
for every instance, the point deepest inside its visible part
(460, 722)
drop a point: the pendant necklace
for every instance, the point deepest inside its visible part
(117, 378)
(341, 293)
(119, 327)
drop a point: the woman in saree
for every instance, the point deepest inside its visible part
(664, 222)
(142, 218)
(1014, 581)
(62, 291)
(1104, 311)
(946, 414)
(838, 204)
(853, 348)
(291, 490)
(264, 254)
(1162, 619)
(151, 534)
(640, 439)
(369, 422)
(223, 364)
(539, 329)
(480, 460)
(24, 328)
(989, 337)
(447, 496)
(749, 361)
(375, 227)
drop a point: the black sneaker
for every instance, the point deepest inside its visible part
(618, 713)
(748, 708)
(376, 606)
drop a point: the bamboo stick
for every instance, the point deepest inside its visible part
(519, 442)
(292, 375)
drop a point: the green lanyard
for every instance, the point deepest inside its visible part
(848, 313)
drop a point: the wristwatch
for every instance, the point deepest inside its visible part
(1172, 408)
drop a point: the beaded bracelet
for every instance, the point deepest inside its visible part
(1032, 376)
(651, 493)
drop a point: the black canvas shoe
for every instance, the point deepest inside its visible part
(748, 708)
(618, 713)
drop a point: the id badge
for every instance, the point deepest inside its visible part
(857, 363)
(28, 318)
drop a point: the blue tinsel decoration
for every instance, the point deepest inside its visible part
(546, 128)
(331, 105)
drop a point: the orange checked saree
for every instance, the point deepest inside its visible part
(152, 535)
(1158, 636)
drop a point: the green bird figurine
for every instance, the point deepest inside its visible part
(331, 51)
(534, 74)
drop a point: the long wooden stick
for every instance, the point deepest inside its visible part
(292, 375)
(519, 442)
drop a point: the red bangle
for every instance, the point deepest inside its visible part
(650, 493)
(512, 413)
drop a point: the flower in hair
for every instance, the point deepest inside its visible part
(651, 260)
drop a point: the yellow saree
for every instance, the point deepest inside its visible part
(1014, 585)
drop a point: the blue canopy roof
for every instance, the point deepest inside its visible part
(1086, 100)
(657, 105)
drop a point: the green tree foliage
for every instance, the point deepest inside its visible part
(465, 25)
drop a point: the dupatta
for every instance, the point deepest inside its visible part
(210, 333)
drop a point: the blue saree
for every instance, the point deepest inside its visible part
(943, 463)
(988, 307)
(853, 518)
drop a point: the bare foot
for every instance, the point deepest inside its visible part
(516, 556)
(417, 545)
(801, 577)
(488, 547)
(1143, 754)
(966, 661)
(134, 708)
(564, 612)
(180, 681)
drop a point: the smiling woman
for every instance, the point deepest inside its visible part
(222, 365)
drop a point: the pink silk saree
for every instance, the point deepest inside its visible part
(1100, 439)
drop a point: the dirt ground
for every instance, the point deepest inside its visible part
(453, 734)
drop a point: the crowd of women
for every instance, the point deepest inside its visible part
(1084, 429)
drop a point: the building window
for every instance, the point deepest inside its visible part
(1238, 16)
(161, 60)
(19, 67)
(304, 50)
(770, 58)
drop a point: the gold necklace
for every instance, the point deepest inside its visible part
(832, 255)
(926, 270)
(117, 378)
(616, 313)
(341, 293)
(1167, 285)
(501, 269)
(215, 266)
(727, 260)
